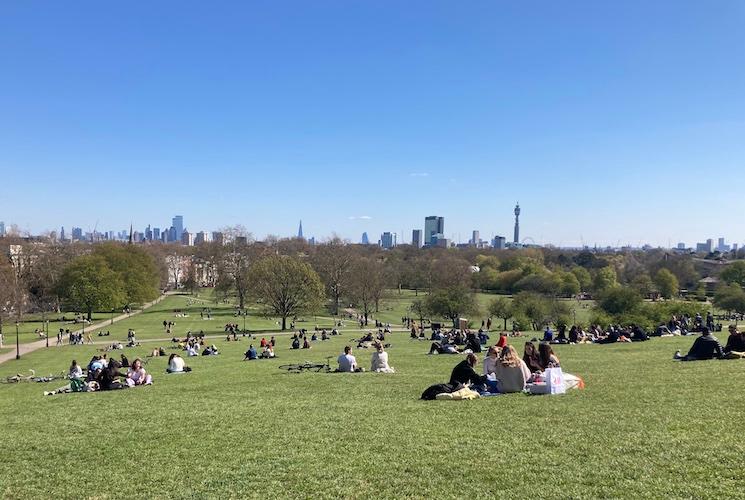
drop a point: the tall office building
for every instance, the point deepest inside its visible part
(475, 238)
(434, 227)
(387, 240)
(2, 228)
(499, 242)
(77, 234)
(187, 238)
(300, 230)
(517, 224)
(156, 234)
(148, 233)
(365, 240)
(62, 233)
(201, 237)
(178, 226)
(218, 237)
(416, 238)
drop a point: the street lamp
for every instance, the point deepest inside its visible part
(244, 320)
(18, 344)
(112, 315)
(44, 325)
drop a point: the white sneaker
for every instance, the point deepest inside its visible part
(677, 355)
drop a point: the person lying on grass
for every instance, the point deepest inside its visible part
(443, 347)
(347, 362)
(707, 346)
(137, 375)
(380, 360)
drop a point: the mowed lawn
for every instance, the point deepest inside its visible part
(645, 426)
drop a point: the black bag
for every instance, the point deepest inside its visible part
(432, 391)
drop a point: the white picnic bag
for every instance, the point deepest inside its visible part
(555, 381)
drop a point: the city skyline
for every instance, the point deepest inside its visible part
(605, 119)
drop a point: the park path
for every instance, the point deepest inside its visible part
(39, 344)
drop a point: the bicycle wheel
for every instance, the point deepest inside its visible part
(291, 368)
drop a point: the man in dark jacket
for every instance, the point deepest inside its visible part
(705, 347)
(109, 377)
(463, 373)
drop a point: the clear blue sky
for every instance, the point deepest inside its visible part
(608, 121)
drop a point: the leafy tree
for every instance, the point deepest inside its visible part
(583, 277)
(642, 283)
(605, 278)
(451, 303)
(734, 273)
(620, 300)
(568, 284)
(135, 268)
(730, 298)
(286, 286)
(501, 307)
(667, 283)
(88, 284)
(506, 280)
(532, 306)
(418, 308)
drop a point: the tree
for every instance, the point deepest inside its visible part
(569, 284)
(333, 262)
(642, 283)
(135, 268)
(451, 303)
(8, 291)
(286, 286)
(418, 308)
(734, 273)
(501, 307)
(532, 306)
(233, 269)
(620, 300)
(583, 277)
(605, 278)
(367, 284)
(667, 283)
(88, 284)
(730, 298)
(191, 284)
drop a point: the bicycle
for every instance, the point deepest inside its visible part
(308, 366)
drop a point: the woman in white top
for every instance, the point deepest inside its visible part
(490, 361)
(137, 374)
(511, 371)
(380, 360)
(175, 364)
(76, 371)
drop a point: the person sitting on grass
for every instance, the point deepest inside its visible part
(76, 371)
(251, 353)
(490, 361)
(296, 343)
(502, 341)
(546, 356)
(137, 375)
(705, 347)
(109, 377)
(735, 347)
(124, 361)
(210, 351)
(347, 362)
(306, 344)
(464, 374)
(268, 352)
(531, 357)
(511, 371)
(380, 360)
(548, 335)
(94, 368)
(176, 364)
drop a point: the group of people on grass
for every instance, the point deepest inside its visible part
(378, 363)
(707, 346)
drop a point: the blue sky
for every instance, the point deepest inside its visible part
(609, 121)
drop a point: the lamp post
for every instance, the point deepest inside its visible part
(44, 326)
(18, 344)
(112, 315)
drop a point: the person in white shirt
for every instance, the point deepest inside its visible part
(76, 371)
(380, 360)
(175, 364)
(490, 361)
(347, 362)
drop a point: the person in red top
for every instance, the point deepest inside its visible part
(263, 342)
(502, 340)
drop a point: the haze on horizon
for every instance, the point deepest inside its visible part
(609, 123)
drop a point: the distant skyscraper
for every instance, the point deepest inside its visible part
(365, 239)
(77, 234)
(300, 230)
(416, 238)
(517, 224)
(148, 233)
(499, 242)
(218, 237)
(2, 228)
(434, 227)
(178, 225)
(156, 234)
(387, 241)
(475, 238)
(61, 233)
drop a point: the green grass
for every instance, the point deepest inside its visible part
(645, 426)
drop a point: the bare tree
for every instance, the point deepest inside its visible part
(367, 284)
(333, 262)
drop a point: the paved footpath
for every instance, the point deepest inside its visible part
(39, 344)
